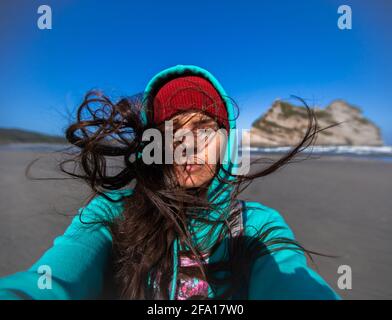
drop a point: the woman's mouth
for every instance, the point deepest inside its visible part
(193, 167)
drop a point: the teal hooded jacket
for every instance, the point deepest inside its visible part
(79, 259)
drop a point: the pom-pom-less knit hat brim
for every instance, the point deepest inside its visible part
(185, 87)
(189, 93)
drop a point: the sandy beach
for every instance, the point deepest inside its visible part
(337, 206)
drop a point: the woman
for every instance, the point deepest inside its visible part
(180, 231)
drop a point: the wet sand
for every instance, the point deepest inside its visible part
(335, 206)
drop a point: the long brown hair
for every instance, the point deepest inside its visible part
(159, 210)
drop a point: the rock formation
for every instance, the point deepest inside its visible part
(285, 125)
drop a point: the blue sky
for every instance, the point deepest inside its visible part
(258, 50)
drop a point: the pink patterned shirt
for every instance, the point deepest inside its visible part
(190, 287)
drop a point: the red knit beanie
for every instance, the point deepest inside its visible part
(189, 92)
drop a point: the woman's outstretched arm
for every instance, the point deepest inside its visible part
(74, 267)
(283, 274)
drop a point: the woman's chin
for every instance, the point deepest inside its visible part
(193, 181)
(190, 184)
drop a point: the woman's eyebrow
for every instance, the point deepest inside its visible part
(195, 124)
(206, 120)
(206, 123)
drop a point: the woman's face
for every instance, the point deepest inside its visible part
(199, 166)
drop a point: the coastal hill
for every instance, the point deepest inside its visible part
(284, 125)
(25, 136)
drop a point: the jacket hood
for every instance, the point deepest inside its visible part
(229, 160)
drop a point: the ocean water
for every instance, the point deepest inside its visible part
(383, 153)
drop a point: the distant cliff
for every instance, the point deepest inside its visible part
(24, 136)
(285, 124)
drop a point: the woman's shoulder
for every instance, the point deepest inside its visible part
(104, 207)
(97, 215)
(282, 274)
(258, 216)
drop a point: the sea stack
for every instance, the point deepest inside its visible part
(285, 124)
